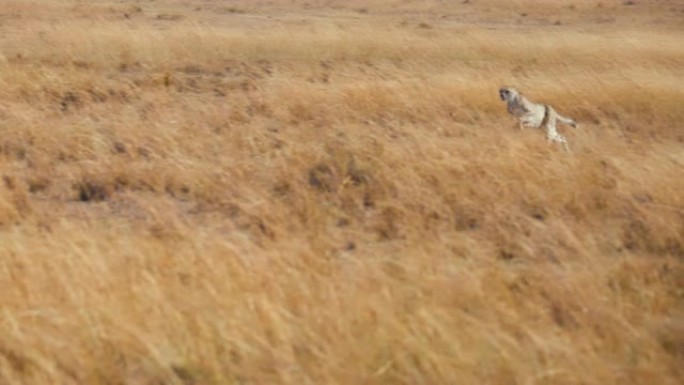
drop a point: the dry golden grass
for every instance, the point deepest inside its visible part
(331, 192)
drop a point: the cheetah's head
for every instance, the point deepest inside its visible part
(508, 94)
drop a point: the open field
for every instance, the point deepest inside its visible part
(331, 192)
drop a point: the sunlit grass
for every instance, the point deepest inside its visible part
(195, 194)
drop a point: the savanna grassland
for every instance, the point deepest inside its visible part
(331, 192)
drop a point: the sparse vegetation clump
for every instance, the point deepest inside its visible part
(331, 192)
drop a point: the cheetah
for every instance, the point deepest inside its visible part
(535, 115)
